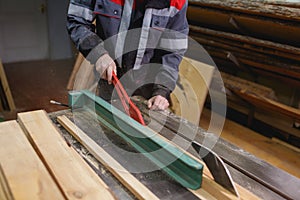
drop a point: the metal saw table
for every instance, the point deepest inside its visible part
(257, 176)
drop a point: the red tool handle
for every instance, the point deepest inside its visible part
(132, 110)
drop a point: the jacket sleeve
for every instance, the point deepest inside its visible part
(80, 26)
(173, 44)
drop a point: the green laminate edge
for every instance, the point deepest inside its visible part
(184, 169)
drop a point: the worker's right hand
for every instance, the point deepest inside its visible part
(105, 65)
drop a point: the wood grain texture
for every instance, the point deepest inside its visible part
(5, 191)
(190, 93)
(75, 178)
(76, 67)
(127, 179)
(252, 8)
(6, 88)
(84, 75)
(28, 178)
(280, 31)
(247, 42)
(269, 104)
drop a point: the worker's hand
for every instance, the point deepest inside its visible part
(158, 103)
(105, 65)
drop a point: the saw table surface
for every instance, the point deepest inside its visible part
(257, 176)
(157, 181)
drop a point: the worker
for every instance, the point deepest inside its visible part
(146, 56)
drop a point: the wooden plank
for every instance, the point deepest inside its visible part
(126, 178)
(188, 98)
(5, 191)
(277, 121)
(268, 104)
(6, 88)
(236, 83)
(76, 67)
(246, 42)
(259, 96)
(75, 178)
(28, 178)
(259, 53)
(267, 64)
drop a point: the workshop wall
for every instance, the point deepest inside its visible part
(33, 30)
(59, 42)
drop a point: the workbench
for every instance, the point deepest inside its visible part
(253, 174)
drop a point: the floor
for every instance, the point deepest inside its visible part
(34, 84)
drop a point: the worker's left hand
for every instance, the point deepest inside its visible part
(158, 103)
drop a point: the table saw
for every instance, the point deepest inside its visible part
(257, 176)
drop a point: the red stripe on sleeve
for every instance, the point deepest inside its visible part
(178, 3)
(120, 2)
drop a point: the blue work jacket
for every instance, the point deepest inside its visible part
(162, 36)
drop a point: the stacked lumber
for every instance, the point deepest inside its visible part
(257, 42)
(252, 18)
(252, 36)
(260, 102)
(37, 163)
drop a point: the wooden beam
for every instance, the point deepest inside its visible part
(75, 178)
(127, 179)
(259, 96)
(265, 63)
(246, 42)
(269, 104)
(236, 83)
(284, 32)
(28, 178)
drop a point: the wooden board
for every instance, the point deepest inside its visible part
(277, 121)
(6, 88)
(82, 76)
(76, 68)
(246, 42)
(262, 62)
(75, 178)
(5, 191)
(127, 179)
(28, 178)
(190, 93)
(268, 104)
